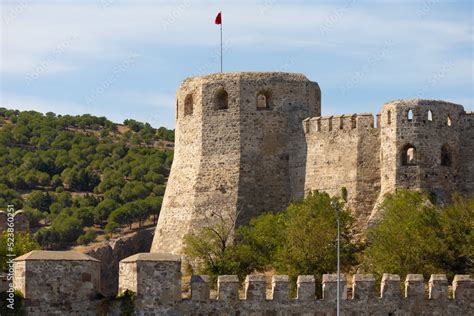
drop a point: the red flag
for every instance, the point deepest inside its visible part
(218, 18)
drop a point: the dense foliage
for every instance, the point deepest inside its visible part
(414, 236)
(23, 243)
(299, 240)
(71, 172)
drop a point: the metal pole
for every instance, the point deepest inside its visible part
(338, 264)
(221, 42)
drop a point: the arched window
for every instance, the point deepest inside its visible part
(430, 116)
(221, 100)
(445, 155)
(448, 121)
(188, 105)
(389, 117)
(263, 100)
(408, 155)
(410, 115)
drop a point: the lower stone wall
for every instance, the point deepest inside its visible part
(110, 253)
(155, 281)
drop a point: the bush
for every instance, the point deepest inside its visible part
(287, 242)
(415, 236)
(23, 244)
(89, 236)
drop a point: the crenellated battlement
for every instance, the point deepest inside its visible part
(338, 123)
(156, 280)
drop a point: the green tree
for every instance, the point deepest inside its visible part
(88, 237)
(103, 210)
(23, 244)
(40, 200)
(457, 233)
(408, 238)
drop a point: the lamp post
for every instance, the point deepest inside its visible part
(335, 208)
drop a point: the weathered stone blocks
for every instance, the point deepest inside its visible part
(463, 288)
(305, 288)
(228, 288)
(390, 287)
(330, 287)
(200, 288)
(154, 277)
(363, 287)
(438, 287)
(255, 287)
(280, 288)
(59, 278)
(414, 286)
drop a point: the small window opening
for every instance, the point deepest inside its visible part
(445, 156)
(410, 115)
(263, 100)
(449, 122)
(188, 105)
(408, 155)
(353, 122)
(430, 116)
(389, 117)
(221, 100)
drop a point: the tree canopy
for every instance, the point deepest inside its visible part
(71, 172)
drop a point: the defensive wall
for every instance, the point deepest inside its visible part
(248, 143)
(67, 283)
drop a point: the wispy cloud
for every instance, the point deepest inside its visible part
(104, 29)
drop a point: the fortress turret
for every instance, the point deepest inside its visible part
(420, 147)
(240, 149)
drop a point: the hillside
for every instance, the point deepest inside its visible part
(77, 176)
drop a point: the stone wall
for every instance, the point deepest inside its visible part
(466, 184)
(343, 151)
(427, 137)
(238, 158)
(248, 143)
(59, 283)
(109, 253)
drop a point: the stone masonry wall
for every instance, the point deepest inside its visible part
(343, 151)
(248, 143)
(243, 159)
(69, 281)
(466, 184)
(110, 253)
(427, 137)
(57, 282)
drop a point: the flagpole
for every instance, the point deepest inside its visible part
(221, 41)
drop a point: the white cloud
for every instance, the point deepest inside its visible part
(106, 28)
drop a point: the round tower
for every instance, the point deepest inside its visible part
(240, 150)
(420, 146)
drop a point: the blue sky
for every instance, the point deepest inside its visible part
(125, 59)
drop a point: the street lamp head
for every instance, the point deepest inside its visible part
(334, 204)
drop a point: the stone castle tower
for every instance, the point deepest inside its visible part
(247, 143)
